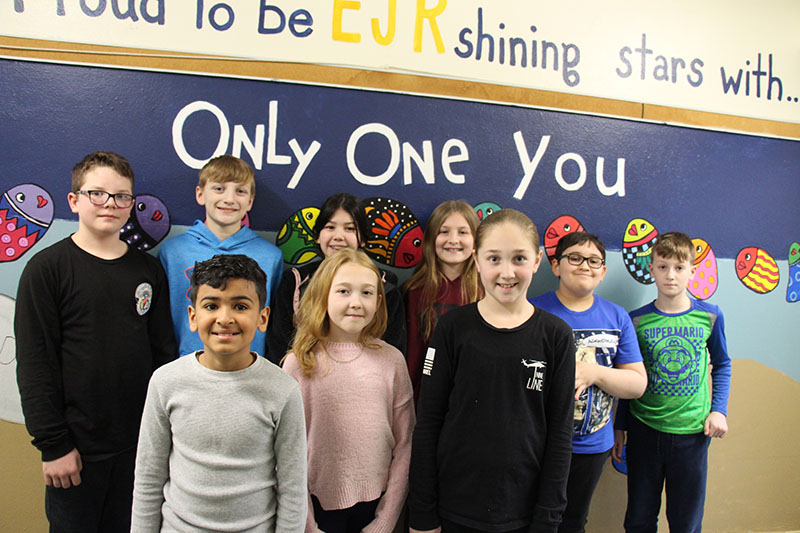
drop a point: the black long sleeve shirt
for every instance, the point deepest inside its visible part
(492, 445)
(89, 333)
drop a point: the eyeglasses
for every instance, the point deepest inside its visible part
(577, 260)
(121, 199)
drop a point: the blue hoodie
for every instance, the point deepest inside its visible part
(179, 254)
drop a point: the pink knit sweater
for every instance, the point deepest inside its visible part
(359, 420)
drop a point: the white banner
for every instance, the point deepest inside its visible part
(735, 57)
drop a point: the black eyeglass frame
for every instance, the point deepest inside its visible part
(587, 259)
(116, 196)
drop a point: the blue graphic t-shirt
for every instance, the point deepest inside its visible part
(677, 349)
(604, 335)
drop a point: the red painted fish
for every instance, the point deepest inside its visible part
(394, 238)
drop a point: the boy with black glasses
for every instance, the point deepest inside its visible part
(608, 364)
(92, 322)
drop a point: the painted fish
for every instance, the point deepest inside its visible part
(704, 283)
(26, 212)
(148, 224)
(557, 229)
(395, 238)
(10, 405)
(484, 209)
(637, 249)
(757, 270)
(296, 237)
(793, 289)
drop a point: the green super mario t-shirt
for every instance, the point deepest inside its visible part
(675, 349)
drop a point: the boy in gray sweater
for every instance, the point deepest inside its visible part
(222, 445)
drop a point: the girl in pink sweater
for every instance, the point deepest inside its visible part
(357, 396)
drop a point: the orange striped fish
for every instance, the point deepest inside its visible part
(757, 270)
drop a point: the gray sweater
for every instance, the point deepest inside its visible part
(221, 451)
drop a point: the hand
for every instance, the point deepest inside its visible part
(437, 530)
(620, 438)
(585, 377)
(716, 425)
(64, 472)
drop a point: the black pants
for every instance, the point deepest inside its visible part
(350, 520)
(584, 473)
(102, 502)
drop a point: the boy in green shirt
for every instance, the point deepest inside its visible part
(670, 426)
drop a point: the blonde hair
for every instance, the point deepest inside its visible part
(674, 245)
(428, 275)
(227, 168)
(508, 216)
(312, 320)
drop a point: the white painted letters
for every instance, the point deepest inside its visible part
(572, 182)
(453, 151)
(242, 141)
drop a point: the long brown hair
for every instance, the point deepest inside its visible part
(428, 275)
(312, 320)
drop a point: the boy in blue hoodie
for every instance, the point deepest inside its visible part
(226, 188)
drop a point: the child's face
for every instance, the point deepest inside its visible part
(506, 262)
(339, 232)
(671, 275)
(352, 302)
(227, 319)
(226, 203)
(101, 220)
(579, 280)
(454, 242)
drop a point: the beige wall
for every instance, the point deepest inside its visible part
(753, 480)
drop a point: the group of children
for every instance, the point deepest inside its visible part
(455, 394)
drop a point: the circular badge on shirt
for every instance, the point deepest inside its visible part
(144, 297)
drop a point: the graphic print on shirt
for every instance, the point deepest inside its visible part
(536, 380)
(675, 360)
(144, 297)
(428, 365)
(593, 408)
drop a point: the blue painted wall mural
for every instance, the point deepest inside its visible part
(732, 192)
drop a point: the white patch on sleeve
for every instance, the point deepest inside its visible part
(428, 366)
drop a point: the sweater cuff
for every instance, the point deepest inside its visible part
(379, 526)
(423, 521)
(545, 521)
(58, 450)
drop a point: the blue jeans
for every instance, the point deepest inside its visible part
(655, 457)
(102, 502)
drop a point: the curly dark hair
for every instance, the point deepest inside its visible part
(216, 272)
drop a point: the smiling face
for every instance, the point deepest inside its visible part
(101, 220)
(226, 205)
(671, 275)
(506, 262)
(227, 320)
(579, 281)
(352, 302)
(454, 245)
(338, 232)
